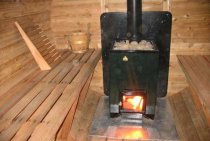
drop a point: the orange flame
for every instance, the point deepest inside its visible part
(134, 103)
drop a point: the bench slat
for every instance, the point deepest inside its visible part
(40, 99)
(8, 99)
(48, 128)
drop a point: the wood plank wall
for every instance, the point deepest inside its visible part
(190, 36)
(14, 54)
(191, 30)
(190, 33)
(74, 15)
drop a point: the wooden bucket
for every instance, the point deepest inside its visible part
(79, 41)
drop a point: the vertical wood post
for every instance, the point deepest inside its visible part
(166, 5)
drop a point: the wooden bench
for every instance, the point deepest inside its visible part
(11, 88)
(34, 102)
(197, 71)
(191, 106)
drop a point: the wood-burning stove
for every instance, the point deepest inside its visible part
(135, 77)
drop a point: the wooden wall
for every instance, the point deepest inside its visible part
(190, 33)
(121, 5)
(74, 15)
(14, 54)
(190, 36)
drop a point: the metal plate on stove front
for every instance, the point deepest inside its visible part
(161, 128)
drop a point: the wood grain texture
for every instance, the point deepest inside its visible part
(51, 123)
(189, 121)
(190, 28)
(66, 17)
(36, 54)
(197, 71)
(190, 21)
(67, 124)
(27, 128)
(47, 102)
(13, 50)
(85, 111)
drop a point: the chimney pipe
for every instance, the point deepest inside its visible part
(134, 19)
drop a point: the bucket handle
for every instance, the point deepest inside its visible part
(67, 38)
(88, 28)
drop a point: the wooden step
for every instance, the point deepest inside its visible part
(190, 122)
(197, 71)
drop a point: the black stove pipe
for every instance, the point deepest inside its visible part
(134, 19)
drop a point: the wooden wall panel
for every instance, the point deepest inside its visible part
(14, 54)
(74, 15)
(191, 20)
(190, 31)
(177, 80)
(190, 36)
(121, 5)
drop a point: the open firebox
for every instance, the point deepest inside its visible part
(135, 53)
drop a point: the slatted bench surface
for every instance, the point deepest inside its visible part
(190, 122)
(42, 42)
(35, 108)
(197, 71)
(12, 89)
(16, 62)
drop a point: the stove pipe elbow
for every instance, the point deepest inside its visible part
(134, 20)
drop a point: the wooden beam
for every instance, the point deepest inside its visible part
(36, 54)
(166, 5)
(104, 6)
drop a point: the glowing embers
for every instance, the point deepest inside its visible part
(133, 101)
(127, 132)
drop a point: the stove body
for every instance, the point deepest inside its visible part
(129, 73)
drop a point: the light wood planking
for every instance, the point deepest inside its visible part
(11, 44)
(190, 124)
(60, 110)
(67, 124)
(81, 123)
(66, 17)
(36, 54)
(28, 127)
(190, 29)
(13, 95)
(197, 72)
(38, 106)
